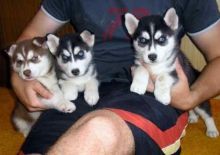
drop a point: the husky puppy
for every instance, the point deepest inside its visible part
(74, 55)
(156, 43)
(31, 59)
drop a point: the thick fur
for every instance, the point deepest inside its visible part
(74, 55)
(31, 59)
(156, 42)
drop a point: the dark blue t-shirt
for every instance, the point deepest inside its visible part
(113, 52)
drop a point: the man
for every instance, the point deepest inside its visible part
(106, 131)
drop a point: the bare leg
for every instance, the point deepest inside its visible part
(101, 133)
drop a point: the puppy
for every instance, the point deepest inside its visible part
(32, 60)
(74, 55)
(156, 43)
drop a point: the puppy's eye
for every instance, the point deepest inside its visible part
(65, 58)
(162, 40)
(80, 54)
(143, 41)
(34, 59)
(19, 62)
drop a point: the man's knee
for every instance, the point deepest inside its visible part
(109, 129)
(105, 129)
(101, 131)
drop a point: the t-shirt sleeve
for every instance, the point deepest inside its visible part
(58, 10)
(198, 15)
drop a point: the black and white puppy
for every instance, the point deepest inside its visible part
(74, 55)
(156, 43)
(32, 60)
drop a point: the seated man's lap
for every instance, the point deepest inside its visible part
(115, 96)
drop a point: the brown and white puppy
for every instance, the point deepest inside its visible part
(32, 60)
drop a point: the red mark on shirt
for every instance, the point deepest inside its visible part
(117, 19)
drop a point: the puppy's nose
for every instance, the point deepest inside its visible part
(75, 71)
(152, 57)
(27, 72)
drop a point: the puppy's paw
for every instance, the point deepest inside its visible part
(212, 133)
(163, 85)
(138, 87)
(193, 118)
(162, 96)
(212, 130)
(67, 107)
(23, 127)
(70, 96)
(25, 132)
(69, 90)
(91, 97)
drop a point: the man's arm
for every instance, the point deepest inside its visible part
(40, 25)
(27, 91)
(208, 83)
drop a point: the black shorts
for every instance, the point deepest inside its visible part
(156, 128)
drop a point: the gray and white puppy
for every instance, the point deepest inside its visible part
(32, 60)
(156, 43)
(74, 55)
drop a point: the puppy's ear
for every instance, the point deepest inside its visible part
(11, 50)
(171, 19)
(53, 43)
(88, 38)
(40, 42)
(131, 23)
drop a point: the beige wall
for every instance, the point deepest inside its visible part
(193, 54)
(218, 1)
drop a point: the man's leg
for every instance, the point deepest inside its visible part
(99, 132)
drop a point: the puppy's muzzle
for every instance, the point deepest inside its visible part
(75, 72)
(152, 57)
(27, 73)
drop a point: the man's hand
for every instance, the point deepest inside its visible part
(28, 92)
(181, 95)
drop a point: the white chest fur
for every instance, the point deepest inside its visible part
(87, 83)
(160, 68)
